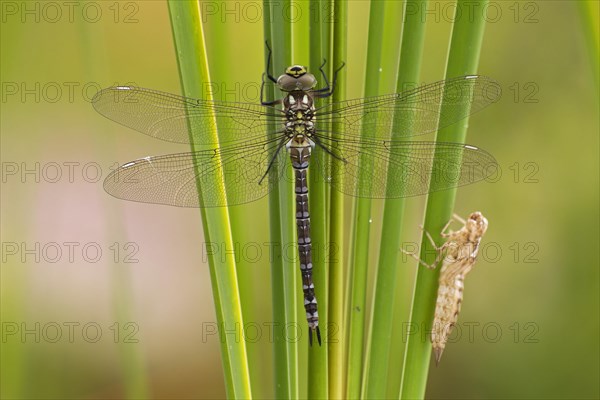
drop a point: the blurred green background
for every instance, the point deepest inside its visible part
(126, 285)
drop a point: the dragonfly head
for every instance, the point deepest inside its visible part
(477, 223)
(296, 77)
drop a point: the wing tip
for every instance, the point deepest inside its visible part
(110, 89)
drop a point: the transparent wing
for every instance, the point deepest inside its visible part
(172, 179)
(403, 169)
(166, 116)
(417, 111)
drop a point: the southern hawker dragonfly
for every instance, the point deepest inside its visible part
(245, 151)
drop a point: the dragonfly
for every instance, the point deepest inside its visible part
(250, 158)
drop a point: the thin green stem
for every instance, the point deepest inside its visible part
(317, 356)
(190, 48)
(336, 249)
(356, 326)
(283, 271)
(463, 58)
(280, 364)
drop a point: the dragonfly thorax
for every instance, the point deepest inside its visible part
(300, 118)
(297, 102)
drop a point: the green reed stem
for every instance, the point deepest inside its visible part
(282, 226)
(463, 59)
(380, 337)
(336, 249)
(193, 70)
(356, 325)
(317, 355)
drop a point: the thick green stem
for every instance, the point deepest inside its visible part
(463, 58)
(386, 283)
(193, 70)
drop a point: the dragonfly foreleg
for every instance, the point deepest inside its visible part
(269, 58)
(455, 217)
(459, 218)
(262, 93)
(327, 90)
(267, 73)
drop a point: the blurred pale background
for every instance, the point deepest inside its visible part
(537, 281)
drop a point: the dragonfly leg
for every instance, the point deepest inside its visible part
(279, 147)
(440, 250)
(326, 88)
(269, 58)
(430, 238)
(262, 94)
(267, 74)
(459, 218)
(328, 91)
(423, 263)
(455, 217)
(443, 232)
(328, 151)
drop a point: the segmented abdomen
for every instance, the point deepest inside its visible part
(447, 308)
(300, 157)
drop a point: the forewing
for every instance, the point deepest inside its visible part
(416, 111)
(174, 179)
(171, 117)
